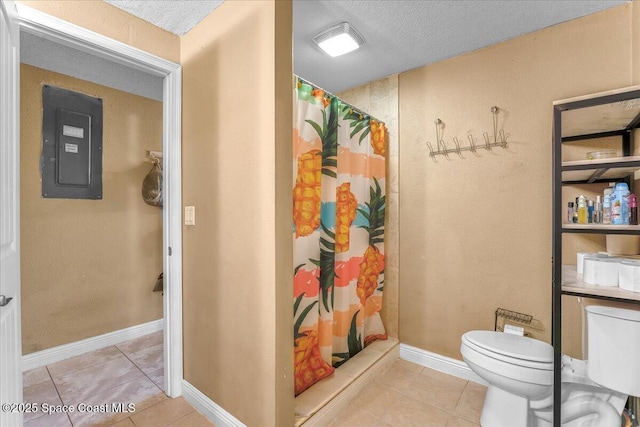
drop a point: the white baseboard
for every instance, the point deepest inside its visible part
(62, 352)
(440, 363)
(207, 407)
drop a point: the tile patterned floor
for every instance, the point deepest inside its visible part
(406, 395)
(130, 372)
(411, 395)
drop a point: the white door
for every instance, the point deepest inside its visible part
(10, 338)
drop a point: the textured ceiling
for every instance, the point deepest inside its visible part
(177, 17)
(402, 35)
(399, 35)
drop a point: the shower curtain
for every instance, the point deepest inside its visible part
(338, 227)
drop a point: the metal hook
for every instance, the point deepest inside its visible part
(487, 141)
(472, 144)
(431, 153)
(455, 141)
(439, 141)
(503, 138)
(494, 110)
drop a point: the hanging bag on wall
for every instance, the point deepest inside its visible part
(152, 185)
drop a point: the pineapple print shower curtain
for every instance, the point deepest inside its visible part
(338, 216)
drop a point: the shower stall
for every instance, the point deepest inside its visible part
(338, 229)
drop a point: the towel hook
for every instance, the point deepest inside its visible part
(499, 139)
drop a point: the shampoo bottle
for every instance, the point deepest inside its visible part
(620, 205)
(633, 209)
(590, 211)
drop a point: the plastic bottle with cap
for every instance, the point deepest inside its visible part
(570, 210)
(633, 209)
(582, 210)
(597, 211)
(606, 209)
(620, 204)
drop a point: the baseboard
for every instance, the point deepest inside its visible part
(207, 407)
(62, 352)
(440, 363)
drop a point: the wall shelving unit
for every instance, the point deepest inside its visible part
(607, 114)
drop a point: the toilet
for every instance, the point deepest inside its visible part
(519, 371)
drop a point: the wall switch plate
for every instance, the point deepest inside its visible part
(189, 215)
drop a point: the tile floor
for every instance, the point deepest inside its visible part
(130, 372)
(411, 395)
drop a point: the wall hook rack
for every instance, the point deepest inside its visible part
(499, 139)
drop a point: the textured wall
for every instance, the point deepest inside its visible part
(89, 266)
(238, 261)
(476, 232)
(380, 99)
(635, 25)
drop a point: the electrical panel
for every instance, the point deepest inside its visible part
(71, 161)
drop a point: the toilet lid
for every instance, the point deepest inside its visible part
(521, 350)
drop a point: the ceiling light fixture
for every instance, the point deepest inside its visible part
(339, 40)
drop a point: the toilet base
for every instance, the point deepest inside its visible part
(503, 409)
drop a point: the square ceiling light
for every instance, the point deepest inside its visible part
(339, 40)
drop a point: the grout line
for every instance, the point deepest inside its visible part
(460, 398)
(140, 369)
(451, 412)
(58, 392)
(94, 364)
(185, 416)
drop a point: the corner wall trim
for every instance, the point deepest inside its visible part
(65, 351)
(440, 363)
(210, 409)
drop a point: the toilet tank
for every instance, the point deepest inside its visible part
(614, 348)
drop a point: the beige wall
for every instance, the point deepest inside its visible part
(635, 29)
(89, 266)
(110, 21)
(380, 99)
(476, 232)
(237, 172)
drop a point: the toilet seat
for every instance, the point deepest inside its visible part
(511, 349)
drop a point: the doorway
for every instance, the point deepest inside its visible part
(54, 30)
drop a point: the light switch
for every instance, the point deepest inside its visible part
(189, 215)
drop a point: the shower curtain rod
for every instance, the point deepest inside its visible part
(341, 100)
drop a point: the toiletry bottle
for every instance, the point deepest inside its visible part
(582, 210)
(609, 191)
(575, 212)
(620, 205)
(590, 211)
(633, 209)
(606, 209)
(570, 213)
(597, 211)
